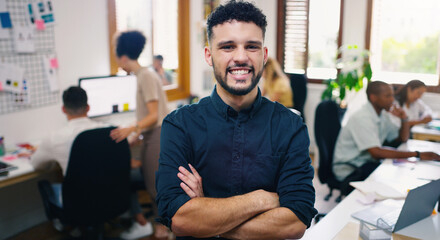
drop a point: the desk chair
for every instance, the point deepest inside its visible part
(328, 118)
(96, 187)
(298, 82)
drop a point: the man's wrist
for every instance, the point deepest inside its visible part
(136, 128)
(405, 119)
(417, 154)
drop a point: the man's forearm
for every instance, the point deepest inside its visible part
(207, 217)
(404, 131)
(278, 223)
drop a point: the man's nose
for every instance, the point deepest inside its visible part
(240, 55)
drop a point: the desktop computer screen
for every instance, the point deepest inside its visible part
(110, 94)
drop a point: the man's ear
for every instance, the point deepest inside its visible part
(266, 56)
(87, 108)
(64, 109)
(208, 56)
(373, 98)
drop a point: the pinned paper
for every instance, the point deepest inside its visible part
(39, 24)
(50, 73)
(54, 62)
(24, 40)
(11, 78)
(5, 20)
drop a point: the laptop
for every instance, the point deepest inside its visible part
(391, 216)
(4, 168)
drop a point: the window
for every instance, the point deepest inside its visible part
(309, 37)
(166, 25)
(404, 43)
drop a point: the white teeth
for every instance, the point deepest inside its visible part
(239, 72)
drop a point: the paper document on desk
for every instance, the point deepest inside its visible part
(380, 189)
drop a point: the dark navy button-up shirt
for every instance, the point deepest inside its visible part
(264, 147)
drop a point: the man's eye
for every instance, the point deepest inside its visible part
(252, 47)
(226, 47)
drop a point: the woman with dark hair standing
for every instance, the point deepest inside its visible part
(408, 98)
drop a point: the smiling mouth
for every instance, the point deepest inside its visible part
(239, 72)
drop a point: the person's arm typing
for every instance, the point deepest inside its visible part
(382, 152)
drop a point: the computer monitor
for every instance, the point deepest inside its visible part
(110, 94)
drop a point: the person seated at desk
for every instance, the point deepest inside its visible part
(408, 98)
(57, 146)
(360, 142)
(165, 75)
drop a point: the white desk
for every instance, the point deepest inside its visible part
(23, 167)
(402, 177)
(20, 202)
(422, 132)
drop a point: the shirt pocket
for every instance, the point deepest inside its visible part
(265, 172)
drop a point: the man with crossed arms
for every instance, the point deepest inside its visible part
(251, 153)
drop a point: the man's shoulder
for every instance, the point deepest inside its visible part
(146, 74)
(189, 110)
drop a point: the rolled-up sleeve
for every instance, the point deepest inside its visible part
(174, 152)
(295, 187)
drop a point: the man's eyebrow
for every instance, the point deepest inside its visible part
(255, 42)
(224, 43)
(231, 42)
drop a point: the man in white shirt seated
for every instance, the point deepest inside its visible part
(56, 147)
(360, 142)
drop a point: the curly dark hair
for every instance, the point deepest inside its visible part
(75, 100)
(239, 11)
(130, 44)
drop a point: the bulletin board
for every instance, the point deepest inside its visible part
(38, 91)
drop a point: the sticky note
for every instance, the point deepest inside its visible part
(5, 18)
(54, 62)
(125, 107)
(40, 24)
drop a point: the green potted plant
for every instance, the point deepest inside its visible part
(354, 69)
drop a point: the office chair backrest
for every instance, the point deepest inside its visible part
(96, 187)
(327, 126)
(298, 82)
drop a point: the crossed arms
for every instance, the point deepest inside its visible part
(255, 215)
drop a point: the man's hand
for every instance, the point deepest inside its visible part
(191, 182)
(135, 163)
(398, 112)
(429, 156)
(120, 134)
(426, 119)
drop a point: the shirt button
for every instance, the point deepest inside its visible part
(237, 157)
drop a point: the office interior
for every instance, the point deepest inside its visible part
(82, 48)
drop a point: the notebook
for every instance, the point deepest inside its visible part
(391, 216)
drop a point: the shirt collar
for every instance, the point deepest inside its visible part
(226, 111)
(78, 120)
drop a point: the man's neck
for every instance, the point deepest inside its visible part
(133, 66)
(238, 103)
(377, 109)
(71, 117)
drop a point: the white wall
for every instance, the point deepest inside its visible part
(81, 38)
(82, 49)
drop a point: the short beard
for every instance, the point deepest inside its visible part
(238, 92)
